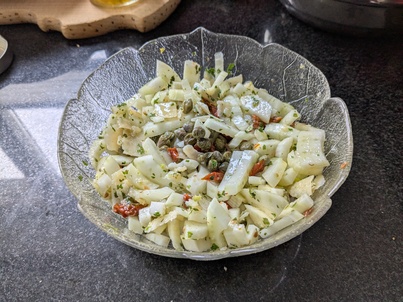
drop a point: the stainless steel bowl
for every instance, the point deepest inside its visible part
(350, 16)
(6, 55)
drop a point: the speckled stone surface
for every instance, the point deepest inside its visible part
(50, 252)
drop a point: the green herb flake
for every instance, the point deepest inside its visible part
(140, 149)
(190, 234)
(252, 193)
(211, 71)
(214, 247)
(255, 102)
(80, 177)
(266, 221)
(230, 67)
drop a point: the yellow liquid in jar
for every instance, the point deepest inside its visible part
(112, 3)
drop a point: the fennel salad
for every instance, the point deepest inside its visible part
(207, 161)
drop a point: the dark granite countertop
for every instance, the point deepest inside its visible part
(50, 252)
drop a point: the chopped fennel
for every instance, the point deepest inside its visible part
(207, 161)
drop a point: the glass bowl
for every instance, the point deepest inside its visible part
(285, 74)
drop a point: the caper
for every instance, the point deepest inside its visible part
(204, 144)
(223, 167)
(217, 156)
(188, 127)
(220, 144)
(169, 135)
(180, 133)
(187, 106)
(212, 165)
(227, 155)
(165, 139)
(189, 139)
(245, 146)
(163, 142)
(202, 158)
(198, 132)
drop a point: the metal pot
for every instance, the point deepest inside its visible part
(350, 16)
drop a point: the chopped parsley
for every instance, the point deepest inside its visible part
(252, 193)
(255, 102)
(140, 149)
(214, 247)
(211, 71)
(230, 67)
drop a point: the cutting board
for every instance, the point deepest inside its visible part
(78, 19)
